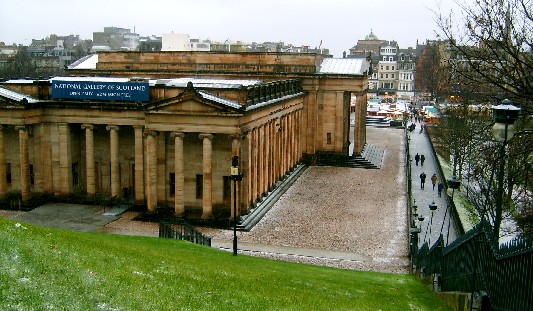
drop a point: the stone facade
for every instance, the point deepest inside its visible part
(175, 150)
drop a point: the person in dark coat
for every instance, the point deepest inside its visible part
(440, 186)
(422, 159)
(417, 158)
(422, 180)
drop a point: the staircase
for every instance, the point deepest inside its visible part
(377, 121)
(370, 158)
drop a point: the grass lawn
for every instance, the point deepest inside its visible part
(53, 269)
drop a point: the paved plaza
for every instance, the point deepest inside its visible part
(333, 216)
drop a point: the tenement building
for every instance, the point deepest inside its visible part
(163, 127)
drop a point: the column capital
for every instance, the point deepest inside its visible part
(177, 134)
(138, 127)
(206, 135)
(237, 136)
(112, 127)
(21, 127)
(150, 133)
(87, 126)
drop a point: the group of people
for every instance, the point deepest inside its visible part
(420, 158)
(434, 179)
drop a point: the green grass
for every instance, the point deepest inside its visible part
(53, 269)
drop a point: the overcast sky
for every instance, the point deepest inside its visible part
(337, 23)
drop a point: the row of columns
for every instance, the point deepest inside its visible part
(151, 165)
(274, 148)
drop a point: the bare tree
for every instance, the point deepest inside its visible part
(491, 56)
(494, 40)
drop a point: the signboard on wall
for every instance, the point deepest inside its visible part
(125, 91)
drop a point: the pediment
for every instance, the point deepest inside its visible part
(194, 102)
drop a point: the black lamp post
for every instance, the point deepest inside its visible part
(236, 176)
(504, 116)
(453, 183)
(432, 208)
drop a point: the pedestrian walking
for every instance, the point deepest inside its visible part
(434, 180)
(417, 158)
(422, 159)
(422, 180)
(439, 188)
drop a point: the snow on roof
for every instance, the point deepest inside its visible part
(86, 62)
(15, 95)
(90, 79)
(346, 66)
(205, 83)
(220, 100)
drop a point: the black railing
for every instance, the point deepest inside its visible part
(181, 230)
(473, 264)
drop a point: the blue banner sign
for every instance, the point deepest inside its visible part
(128, 91)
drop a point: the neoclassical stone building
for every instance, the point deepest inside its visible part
(167, 140)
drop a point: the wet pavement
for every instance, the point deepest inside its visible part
(438, 222)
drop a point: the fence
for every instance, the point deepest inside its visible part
(181, 230)
(473, 264)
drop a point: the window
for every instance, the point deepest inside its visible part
(199, 186)
(391, 58)
(392, 76)
(328, 138)
(386, 75)
(8, 173)
(381, 75)
(32, 177)
(75, 174)
(227, 187)
(172, 183)
(387, 67)
(392, 67)
(384, 58)
(381, 67)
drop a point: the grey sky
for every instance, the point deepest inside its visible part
(337, 23)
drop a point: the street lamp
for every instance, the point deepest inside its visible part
(453, 183)
(504, 116)
(432, 208)
(236, 176)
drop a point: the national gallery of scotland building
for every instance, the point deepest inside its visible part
(162, 128)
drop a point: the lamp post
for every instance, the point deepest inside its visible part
(504, 116)
(453, 183)
(236, 176)
(432, 208)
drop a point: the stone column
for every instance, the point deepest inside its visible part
(65, 161)
(151, 171)
(247, 177)
(207, 200)
(89, 160)
(3, 177)
(260, 160)
(115, 168)
(46, 155)
(24, 163)
(268, 155)
(179, 176)
(139, 165)
(235, 151)
(253, 173)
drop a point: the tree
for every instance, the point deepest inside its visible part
(20, 65)
(491, 52)
(494, 41)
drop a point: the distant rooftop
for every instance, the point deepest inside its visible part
(347, 66)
